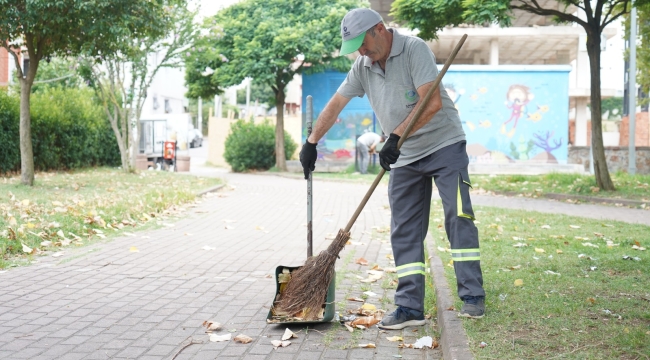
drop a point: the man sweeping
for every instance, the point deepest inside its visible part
(395, 72)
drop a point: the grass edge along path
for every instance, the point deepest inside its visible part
(69, 209)
(557, 286)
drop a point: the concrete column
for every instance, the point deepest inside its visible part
(494, 52)
(477, 58)
(581, 122)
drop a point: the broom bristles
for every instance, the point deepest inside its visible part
(307, 290)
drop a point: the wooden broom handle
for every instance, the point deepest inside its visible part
(408, 129)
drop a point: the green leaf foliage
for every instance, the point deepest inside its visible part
(251, 146)
(69, 131)
(74, 26)
(269, 41)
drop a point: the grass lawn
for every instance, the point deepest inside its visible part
(557, 286)
(627, 187)
(75, 208)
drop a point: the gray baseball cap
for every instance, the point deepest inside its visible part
(354, 27)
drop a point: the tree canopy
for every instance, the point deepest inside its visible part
(431, 16)
(269, 41)
(41, 29)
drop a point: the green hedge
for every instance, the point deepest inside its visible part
(69, 130)
(252, 147)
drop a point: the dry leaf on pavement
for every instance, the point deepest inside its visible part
(288, 334)
(244, 339)
(279, 343)
(133, 249)
(211, 326)
(395, 338)
(368, 346)
(361, 261)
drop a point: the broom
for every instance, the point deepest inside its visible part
(305, 293)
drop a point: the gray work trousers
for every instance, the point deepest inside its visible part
(364, 157)
(409, 194)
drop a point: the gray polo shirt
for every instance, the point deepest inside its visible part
(392, 95)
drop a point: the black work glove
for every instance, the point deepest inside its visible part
(389, 153)
(308, 156)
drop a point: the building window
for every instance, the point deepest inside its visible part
(168, 107)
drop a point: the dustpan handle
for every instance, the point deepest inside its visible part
(407, 131)
(310, 116)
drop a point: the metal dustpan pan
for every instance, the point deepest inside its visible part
(282, 273)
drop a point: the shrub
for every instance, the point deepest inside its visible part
(69, 130)
(252, 146)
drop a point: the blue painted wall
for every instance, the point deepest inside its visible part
(509, 113)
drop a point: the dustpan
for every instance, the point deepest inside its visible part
(328, 302)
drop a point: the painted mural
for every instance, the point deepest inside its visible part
(512, 113)
(509, 113)
(339, 144)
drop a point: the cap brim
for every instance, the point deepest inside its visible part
(352, 45)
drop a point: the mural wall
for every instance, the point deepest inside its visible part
(509, 113)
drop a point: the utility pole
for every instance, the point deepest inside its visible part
(199, 117)
(632, 94)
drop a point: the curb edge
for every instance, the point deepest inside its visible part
(453, 339)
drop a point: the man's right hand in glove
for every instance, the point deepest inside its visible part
(389, 153)
(308, 156)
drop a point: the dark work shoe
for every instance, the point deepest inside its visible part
(401, 318)
(473, 307)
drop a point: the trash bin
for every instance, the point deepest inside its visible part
(182, 163)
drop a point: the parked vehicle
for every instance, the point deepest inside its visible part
(195, 138)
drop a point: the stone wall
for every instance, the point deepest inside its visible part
(616, 157)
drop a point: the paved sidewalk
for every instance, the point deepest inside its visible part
(104, 302)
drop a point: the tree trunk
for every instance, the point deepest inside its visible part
(280, 157)
(603, 180)
(26, 149)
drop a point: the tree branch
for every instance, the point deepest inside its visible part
(16, 61)
(537, 9)
(607, 21)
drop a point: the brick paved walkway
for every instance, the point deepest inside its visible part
(104, 302)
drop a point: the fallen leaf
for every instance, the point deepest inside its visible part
(58, 254)
(134, 249)
(376, 267)
(350, 328)
(366, 321)
(395, 338)
(361, 261)
(244, 339)
(558, 251)
(546, 226)
(538, 250)
(288, 334)
(278, 343)
(390, 270)
(368, 346)
(370, 293)
(574, 226)
(212, 326)
(389, 256)
(355, 299)
(519, 245)
(549, 272)
(519, 282)
(27, 249)
(218, 338)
